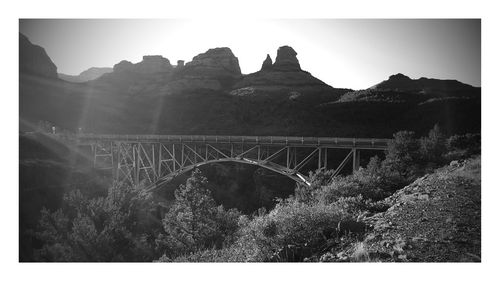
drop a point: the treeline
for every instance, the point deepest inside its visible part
(127, 224)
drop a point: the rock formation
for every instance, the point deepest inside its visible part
(286, 60)
(216, 69)
(148, 65)
(217, 62)
(34, 60)
(267, 64)
(284, 77)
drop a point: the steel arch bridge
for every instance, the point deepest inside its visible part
(152, 160)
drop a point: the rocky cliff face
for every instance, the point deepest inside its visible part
(34, 60)
(216, 69)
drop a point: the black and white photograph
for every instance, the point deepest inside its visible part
(224, 140)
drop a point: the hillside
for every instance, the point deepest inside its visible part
(34, 60)
(437, 218)
(87, 75)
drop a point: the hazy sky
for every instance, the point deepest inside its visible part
(343, 53)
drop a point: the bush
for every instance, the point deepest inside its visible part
(351, 186)
(292, 231)
(118, 227)
(464, 146)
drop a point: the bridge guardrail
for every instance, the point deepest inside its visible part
(277, 140)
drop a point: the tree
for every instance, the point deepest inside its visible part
(433, 147)
(194, 222)
(403, 154)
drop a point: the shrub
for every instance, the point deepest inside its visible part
(292, 231)
(464, 146)
(351, 186)
(118, 227)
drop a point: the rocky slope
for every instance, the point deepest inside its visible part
(435, 219)
(33, 59)
(87, 75)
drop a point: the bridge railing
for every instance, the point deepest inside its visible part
(268, 140)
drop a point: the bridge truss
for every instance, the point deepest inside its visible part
(154, 160)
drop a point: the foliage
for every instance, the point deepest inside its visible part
(194, 222)
(463, 146)
(118, 227)
(403, 154)
(433, 147)
(121, 226)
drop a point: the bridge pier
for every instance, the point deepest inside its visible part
(356, 155)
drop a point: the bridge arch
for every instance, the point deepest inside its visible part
(296, 176)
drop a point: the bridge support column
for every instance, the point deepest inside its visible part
(356, 153)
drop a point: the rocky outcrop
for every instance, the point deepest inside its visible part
(267, 64)
(217, 62)
(34, 60)
(286, 60)
(87, 75)
(148, 65)
(217, 69)
(153, 64)
(284, 77)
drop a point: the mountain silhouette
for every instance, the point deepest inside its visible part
(210, 95)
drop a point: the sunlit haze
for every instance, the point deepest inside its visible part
(343, 53)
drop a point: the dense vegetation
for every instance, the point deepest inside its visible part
(127, 224)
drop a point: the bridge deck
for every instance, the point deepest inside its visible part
(361, 143)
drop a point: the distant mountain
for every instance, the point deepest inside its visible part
(34, 60)
(210, 95)
(87, 75)
(403, 83)
(400, 88)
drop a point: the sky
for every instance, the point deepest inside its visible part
(344, 53)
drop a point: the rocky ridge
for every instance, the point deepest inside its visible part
(401, 82)
(34, 60)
